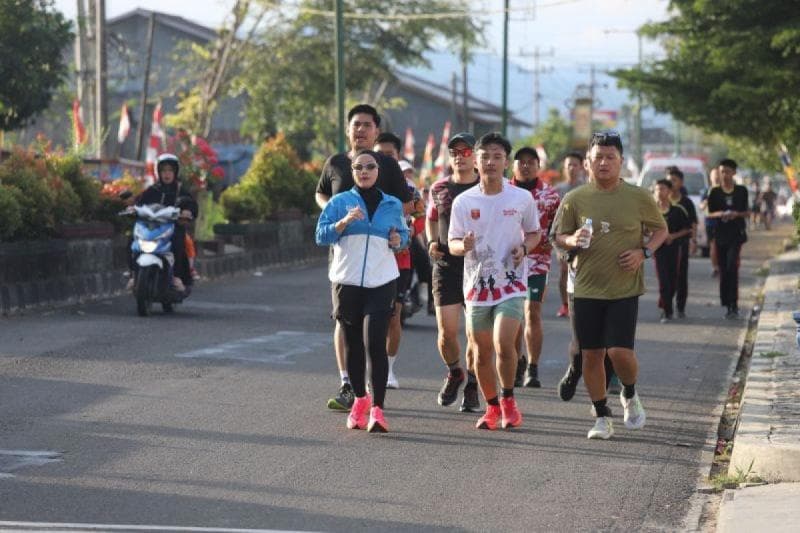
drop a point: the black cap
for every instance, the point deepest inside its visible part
(465, 137)
(526, 150)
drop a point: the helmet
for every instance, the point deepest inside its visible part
(170, 159)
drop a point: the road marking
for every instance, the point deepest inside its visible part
(276, 348)
(199, 304)
(54, 526)
(11, 460)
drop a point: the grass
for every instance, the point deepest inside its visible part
(763, 271)
(772, 354)
(731, 481)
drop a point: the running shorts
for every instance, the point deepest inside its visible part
(606, 323)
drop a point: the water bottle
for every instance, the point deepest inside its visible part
(587, 225)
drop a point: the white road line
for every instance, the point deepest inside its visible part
(11, 460)
(55, 526)
(276, 348)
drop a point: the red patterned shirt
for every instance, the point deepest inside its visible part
(547, 202)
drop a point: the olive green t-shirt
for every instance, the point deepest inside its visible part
(619, 217)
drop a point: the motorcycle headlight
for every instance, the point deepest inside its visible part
(148, 247)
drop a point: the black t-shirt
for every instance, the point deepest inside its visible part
(677, 219)
(337, 176)
(731, 231)
(691, 212)
(443, 192)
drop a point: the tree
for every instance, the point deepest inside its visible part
(731, 68)
(555, 134)
(32, 36)
(289, 74)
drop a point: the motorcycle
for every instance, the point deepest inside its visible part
(152, 252)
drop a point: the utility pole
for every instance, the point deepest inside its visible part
(339, 86)
(464, 86)
(80, 51)
(504, 127)
(151, 28)
(453, 98)
(101, 75)
(638, 124)
(537, 72)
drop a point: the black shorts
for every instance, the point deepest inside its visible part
(404, 284)
(447, 284)
(606, 323)
(351, 303)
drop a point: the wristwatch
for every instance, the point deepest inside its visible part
(648, 253)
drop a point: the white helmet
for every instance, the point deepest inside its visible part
(168, 158)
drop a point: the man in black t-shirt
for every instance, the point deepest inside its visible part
(363, 127)
(687, 243)
(667, 256)
(729, 206)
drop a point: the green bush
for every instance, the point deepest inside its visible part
(276, 181)
(10, 213)
(69, 168)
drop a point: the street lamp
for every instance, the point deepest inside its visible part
(637, 123)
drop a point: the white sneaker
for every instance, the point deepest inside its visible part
(391, 381)
(603, 428)
(634, 415)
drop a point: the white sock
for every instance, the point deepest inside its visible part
(344, 376)
(391, 362)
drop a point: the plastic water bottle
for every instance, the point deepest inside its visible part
(587, 225)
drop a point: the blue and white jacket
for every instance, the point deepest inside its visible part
(361, 253)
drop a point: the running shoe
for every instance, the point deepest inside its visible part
(470, 403)
(490, 418)
(522, 364)
(614, 386)
(568, 384)
(449, 392)
(733, 313)
(511, 416)
(603, 428)
(532, 377)
(377, 424)
(358, 417)
(633, 412)
(391, 381)
(343, 401)
(681, 314)
(563, 311)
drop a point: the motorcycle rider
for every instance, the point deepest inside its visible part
(167, 191)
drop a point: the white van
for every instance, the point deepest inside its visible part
(695, 180)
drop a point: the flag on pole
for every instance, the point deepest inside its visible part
(408, 150)
(78, 129)
(441, 159)
(156, 140)
(788, 169)
(124, 124)
(542, 153)
(427, 160)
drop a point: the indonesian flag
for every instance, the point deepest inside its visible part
(441, 159)
(78, 129)
(427, 160)
(542, 153)
(156, 140)
(408, 149)
(124, 124)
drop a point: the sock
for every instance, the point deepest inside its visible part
(629, 390)
(345, 376)
(455, 370)
(600, 407)
(508, 393)
(391, 362)
(533, 369)
(472, 379)
(493, 401)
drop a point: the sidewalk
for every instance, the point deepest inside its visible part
(768, 433)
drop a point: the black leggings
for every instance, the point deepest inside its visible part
(364, 314)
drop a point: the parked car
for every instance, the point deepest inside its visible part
(695, 179)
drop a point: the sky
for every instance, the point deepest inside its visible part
(571, 35)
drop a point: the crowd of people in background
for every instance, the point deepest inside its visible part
(482, 240)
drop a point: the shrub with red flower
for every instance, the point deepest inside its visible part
(199, 162)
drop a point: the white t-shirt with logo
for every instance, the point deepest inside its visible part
(499, 222)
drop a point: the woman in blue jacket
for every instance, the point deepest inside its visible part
(365, 227)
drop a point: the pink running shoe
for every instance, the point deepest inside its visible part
(377, 424)
(357, 419)
(511, 415)
(490, 419)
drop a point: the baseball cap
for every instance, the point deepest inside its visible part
(526, 150)
(405, 165)
(465, 137)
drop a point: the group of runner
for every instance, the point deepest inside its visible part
(491, 240)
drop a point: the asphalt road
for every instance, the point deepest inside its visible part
(215, 417)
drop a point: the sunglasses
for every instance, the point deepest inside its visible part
(369, 166)
(606, 136)
(464, 152)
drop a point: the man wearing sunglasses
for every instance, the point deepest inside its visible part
(448, 273)
(609, 277)
(363, 127)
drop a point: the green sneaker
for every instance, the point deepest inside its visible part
(343, 401)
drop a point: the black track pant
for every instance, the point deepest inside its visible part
(364, 314)
(728, 259)
(682, 289)
(666, 258)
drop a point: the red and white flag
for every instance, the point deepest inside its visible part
(154, 147)
(408, 149)
(124, 124)
(78, 129)
(427, 160)
(442, 158)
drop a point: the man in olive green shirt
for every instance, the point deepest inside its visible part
(609, 277)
